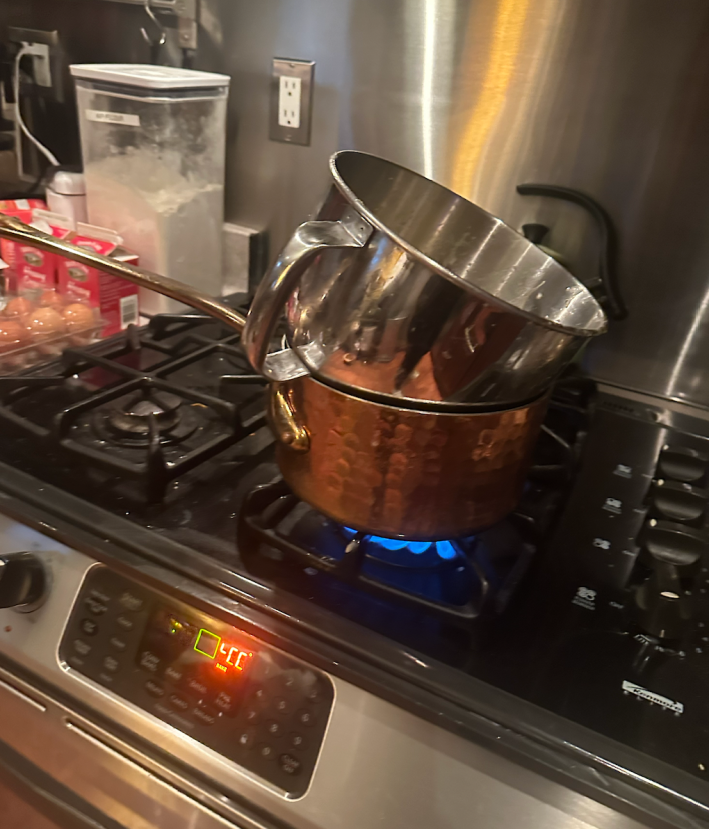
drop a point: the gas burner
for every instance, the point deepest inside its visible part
(419, 555)
(136, 419)
(459, 580)
(147, 407)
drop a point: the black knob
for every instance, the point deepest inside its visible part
(662, 608)
(22, 579)
(678, 502)
(673, 553)
(675, 544)
(682, 464)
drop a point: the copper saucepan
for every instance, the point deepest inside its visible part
(422, 475)
(373, 466)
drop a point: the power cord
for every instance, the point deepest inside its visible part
(24, 51)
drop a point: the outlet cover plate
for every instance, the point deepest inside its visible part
(304, 71)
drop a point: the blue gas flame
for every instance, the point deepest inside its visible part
(444, 549)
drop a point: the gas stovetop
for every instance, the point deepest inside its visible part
(590, 601)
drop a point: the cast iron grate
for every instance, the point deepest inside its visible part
(458, 580)
(181, 389)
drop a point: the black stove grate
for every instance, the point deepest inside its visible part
(277, 529)
(75, 403)
(288, 542)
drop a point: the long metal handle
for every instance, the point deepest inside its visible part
(352, 231)
(17, 231)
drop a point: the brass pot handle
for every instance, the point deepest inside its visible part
(17, 231)
(287, 426)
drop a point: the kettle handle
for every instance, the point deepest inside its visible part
(609, 294)
(352, 231)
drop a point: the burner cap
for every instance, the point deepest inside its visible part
(136, 413)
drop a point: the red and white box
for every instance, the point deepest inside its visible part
(37, 269)
(116, 299)
(21, 209)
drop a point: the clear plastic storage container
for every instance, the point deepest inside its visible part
(153, 142)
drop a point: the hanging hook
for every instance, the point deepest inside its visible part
(146, 37)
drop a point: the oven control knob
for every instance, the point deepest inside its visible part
(676, 544)
(662, 607)
(678, 501)
(23, 580)
(672, 552)
(682, 464)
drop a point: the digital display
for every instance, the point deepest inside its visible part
(227, 656)
(179, 645)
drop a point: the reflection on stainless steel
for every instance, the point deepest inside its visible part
(106, 764)
(420, 295)
(605, 96)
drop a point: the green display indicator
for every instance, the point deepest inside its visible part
(207, 643)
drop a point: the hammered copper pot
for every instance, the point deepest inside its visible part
(392, 471)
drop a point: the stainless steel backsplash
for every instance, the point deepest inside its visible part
(607, 96)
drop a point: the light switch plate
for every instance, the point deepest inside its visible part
(291, 100)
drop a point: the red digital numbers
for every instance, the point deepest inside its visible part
(232, 657)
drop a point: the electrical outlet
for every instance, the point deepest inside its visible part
(41, 71)
(289, 90)
(291, 100)
(39, 44)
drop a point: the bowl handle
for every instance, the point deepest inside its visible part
(351, 231)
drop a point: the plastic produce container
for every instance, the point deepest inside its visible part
(153, 143)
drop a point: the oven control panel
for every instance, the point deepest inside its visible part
(251, 703)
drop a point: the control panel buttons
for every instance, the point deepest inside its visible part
(678, 501)
(154, 689)
(204, 715)
(96, 606)
(297, 741)
(179, 703)
(88, 627)
(289, 764)
(680, 463)
(282, 705)
(267, 752)
(174, 674)
(131, 602)
(141, 646)
(196, 686)
(150, 661)
(225, 702)
(247, 738)
(110, 663)
(252, 715)
(81, 647)
(306, 718)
